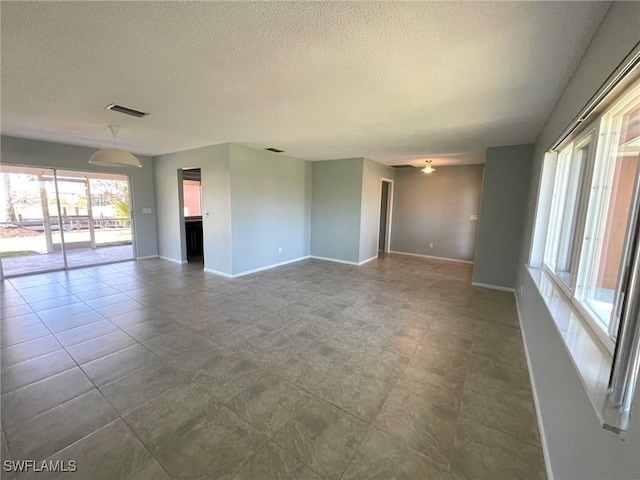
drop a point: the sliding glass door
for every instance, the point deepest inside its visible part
(29, 221)
(95, 209)
(53, 219)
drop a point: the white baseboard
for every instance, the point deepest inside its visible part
(216, 272)
(368, 260)
(173, 260)
(147, 257)
(444, 259)
(493, 287)
(536, 401)
(256, 270)
(346, 262)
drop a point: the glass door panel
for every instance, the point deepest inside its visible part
(111, 209)
(54, 219)
(95, 208)
(29, 221)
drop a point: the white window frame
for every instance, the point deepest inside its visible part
(604, 149)
(588, 134)
(583, 247)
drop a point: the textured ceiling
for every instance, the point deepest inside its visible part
(394, 82)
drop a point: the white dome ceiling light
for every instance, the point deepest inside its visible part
(114, 157)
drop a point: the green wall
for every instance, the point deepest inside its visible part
(258, 202)
(270, 208)
(214, 164)
(505, 190)
(336, 197)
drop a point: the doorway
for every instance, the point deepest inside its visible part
(53, 219)
(384, 233)
(192, 208)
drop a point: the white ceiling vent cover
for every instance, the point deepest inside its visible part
(126, 110)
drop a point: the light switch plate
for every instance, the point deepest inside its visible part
(473, 217)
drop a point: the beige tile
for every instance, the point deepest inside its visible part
(5, 456)
(482, 452)
(29, 401)
(274, 462)
(149, 470)
(99, 347)
(353, 391)
(381, 457)
(228, 376)
(308, 353)
(170, 415)
(269, 403)
(323, 437)
(435, 389)
(509, 410)
(109, 453)
(84, 333)
(118, 364)
(137, 388)
(451, 363)
(219, 445)
(24, 334)
(426, 427)
(28, 350)
(30, 371)
(55, 429)
(378, 363)
(497, 371)
(393, 341)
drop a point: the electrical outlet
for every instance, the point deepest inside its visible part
(431, 245)
(473, 217)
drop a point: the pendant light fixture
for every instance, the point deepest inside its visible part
(428, 169)
(114, 157)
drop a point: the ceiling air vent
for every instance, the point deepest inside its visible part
(402, 166)
(276, 150)
(126, 110)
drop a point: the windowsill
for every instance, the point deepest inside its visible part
(590, 358)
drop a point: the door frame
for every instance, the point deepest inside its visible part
(65, 266)
(387, 233)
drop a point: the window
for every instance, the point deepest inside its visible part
(608, 234)
(590, 236)
(192, 191)
(592, 245)
(567, 206)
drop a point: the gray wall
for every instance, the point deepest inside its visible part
(336, 197)
(270, 208)
(372, 175)
(20, 151)
(436, 209)
(505, 190)
(577, 446)
(216, 199)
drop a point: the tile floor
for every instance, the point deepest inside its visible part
(150, 370)
(20, 265)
